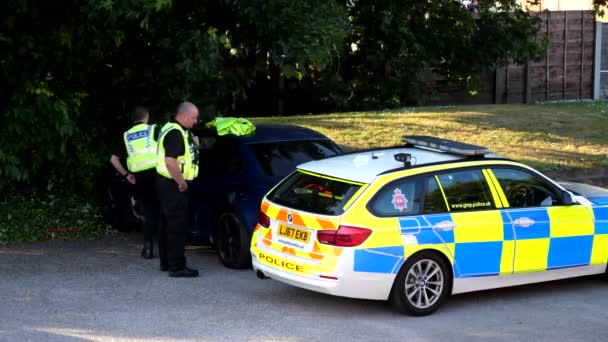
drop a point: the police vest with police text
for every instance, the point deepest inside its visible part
(141, 147)
(187, 162)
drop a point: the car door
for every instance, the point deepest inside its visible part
(399, 204)
(479, 244)
(453, 211)
(548, 233)
(218, 184)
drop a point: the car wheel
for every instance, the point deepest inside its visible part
(422, 284)
(232, 243)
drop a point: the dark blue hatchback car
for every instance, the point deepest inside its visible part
(235, 174)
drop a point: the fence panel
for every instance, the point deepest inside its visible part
(565, 73)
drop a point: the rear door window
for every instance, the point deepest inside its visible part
(409, 196)
(398, 198)
(314, 193)
(466, 190)
(433, 198)
(282, 158)
(223, 157)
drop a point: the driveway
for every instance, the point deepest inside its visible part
(103, 291)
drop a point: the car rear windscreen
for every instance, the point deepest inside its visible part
(315, 194)
(281, 158)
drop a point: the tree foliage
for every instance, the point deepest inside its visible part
(70, 70)
(600, 6)
(395, 45)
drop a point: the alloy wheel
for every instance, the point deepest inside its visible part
(424, 283)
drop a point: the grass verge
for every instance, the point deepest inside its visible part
(34, 218)
(549, 137)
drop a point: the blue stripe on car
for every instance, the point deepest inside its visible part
(569, 251)
(378, 260)
(478, 258)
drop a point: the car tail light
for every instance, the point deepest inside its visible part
(263, 220)
(344, 236)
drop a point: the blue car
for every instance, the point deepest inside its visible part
(235, 174)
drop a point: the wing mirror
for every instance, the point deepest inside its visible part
(568, 199)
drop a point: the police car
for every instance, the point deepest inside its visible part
(416, 223)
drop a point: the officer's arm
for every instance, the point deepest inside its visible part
(174, 171)
(118, 165)
(115, 160)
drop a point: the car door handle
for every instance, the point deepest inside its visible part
(524, 222)
(445, 225)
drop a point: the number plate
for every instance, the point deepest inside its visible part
(294, 233)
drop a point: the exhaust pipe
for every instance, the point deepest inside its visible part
(261, 275)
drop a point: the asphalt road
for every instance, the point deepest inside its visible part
(103, 291)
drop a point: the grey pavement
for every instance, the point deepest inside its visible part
(103, 291)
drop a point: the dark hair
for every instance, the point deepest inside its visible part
(139, 113)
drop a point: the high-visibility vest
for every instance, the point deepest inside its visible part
(188, 162)
(232, 125)
(141, 147)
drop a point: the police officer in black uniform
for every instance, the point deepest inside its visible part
(139, 146)
(176, 166)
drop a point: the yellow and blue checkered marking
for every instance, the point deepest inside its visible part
(444, 236)
(601, 220)
(481, 250)
(411, 225)
(421, 227)
(379, 260)
(569, 251)
(476, 259)
(540, 229)
(508, 230)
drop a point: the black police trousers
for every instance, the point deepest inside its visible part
(174, 224)
(145, 192)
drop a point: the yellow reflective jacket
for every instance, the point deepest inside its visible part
(236, 126)
(141, 147)
(188, 162)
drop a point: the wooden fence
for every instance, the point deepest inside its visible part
(566, 72)
(603, 67)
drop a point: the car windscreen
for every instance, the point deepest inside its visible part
(281, 158)
(312, 193)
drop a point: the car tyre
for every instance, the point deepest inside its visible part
(233, 241)
(422, 284)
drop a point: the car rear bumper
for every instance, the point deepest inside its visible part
(363, 285)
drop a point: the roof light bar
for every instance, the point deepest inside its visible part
(446, 145)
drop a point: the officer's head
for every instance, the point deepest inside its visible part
(140, 114)
(187, 114)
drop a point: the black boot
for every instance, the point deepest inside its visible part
(147, 252)
(184, 272)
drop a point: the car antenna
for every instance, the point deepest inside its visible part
(373, 156)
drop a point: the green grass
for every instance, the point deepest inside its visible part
(549, 137)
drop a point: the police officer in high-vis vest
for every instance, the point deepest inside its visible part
(139, 146)
(176, 166)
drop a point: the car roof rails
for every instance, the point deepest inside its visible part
(445, 145)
